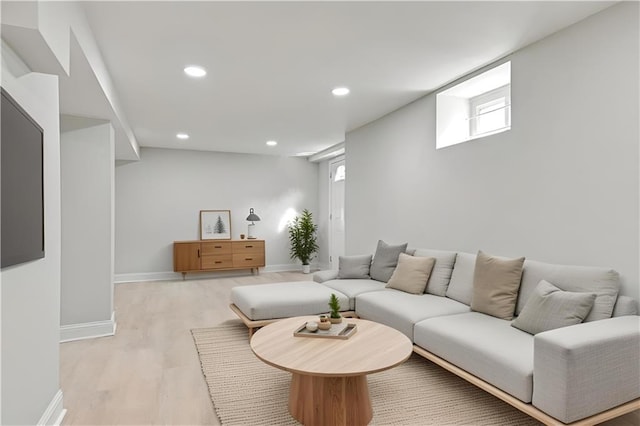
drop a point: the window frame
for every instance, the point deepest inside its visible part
(455, 123)
(495, 95)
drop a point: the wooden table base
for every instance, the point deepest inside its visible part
(325, 401)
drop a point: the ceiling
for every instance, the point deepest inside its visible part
(271, 65)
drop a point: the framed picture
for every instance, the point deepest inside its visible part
(215, 224)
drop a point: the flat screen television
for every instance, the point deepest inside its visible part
(22, 185)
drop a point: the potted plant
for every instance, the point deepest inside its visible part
(304, 242)
(334, 305)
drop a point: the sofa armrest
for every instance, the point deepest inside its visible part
(322, 276)
(587, 368)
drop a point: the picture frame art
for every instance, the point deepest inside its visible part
(215, 224)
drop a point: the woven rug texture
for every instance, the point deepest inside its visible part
(245, 391)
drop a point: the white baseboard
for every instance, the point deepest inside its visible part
(147, 276)
(295, 267)
(88, 330)
(175, 276)
(54, 413)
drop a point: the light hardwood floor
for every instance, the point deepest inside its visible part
(149, 372)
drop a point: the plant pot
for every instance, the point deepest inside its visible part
(335, 320)
(306, 269)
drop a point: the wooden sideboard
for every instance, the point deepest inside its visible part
(217, 255)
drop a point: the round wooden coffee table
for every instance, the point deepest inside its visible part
(329, 376)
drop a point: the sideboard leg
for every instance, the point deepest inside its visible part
(184, 275)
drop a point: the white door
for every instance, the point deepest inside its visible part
(336, 211)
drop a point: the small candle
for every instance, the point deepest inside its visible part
(312, 326)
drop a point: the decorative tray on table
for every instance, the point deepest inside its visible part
(337, 331)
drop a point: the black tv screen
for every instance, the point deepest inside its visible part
(22, 197)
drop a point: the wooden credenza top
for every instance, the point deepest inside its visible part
(246, 240)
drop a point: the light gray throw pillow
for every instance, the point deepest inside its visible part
(441, 274)
(461, 283)
(549, 308)
(385, 260)
(604, 282)
(354, 267)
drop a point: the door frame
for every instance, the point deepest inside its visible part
(341, 158)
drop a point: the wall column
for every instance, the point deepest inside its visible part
(87, 174)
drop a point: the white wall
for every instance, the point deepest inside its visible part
(30, 292)
(562, 186)
(87, 162)
(158, 200)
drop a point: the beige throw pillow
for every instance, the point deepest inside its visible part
(495, 285)
(411, 274)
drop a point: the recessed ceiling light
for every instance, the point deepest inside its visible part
(182, 136)
(272, 143)
(195, 71)
(340, 91)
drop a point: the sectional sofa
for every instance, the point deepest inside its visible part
(554, 341)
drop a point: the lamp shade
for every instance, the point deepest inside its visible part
(252, 216)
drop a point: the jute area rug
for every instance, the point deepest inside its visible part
(245, 391)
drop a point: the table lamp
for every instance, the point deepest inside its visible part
(252, 218)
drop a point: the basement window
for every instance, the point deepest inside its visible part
(490, 112)
(479, 106)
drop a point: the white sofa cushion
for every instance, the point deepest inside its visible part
(485, 346)
(603, 282)
(354, 266)
(326, 275)
(441, 273)
(402, 310)
(352, 288)
(461, 284)
(625, 305)
(283, 300)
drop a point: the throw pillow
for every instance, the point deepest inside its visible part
(549, 307)
(354, 266)
(411, 274)
(495, 285)
(441, 274)
(461, 283)
(604, 282)
(385, 260)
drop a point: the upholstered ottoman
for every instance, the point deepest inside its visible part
(259, 305)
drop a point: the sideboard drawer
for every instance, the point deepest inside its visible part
(241, 247)
(248, 260)
(218, 247)
(217, 261)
